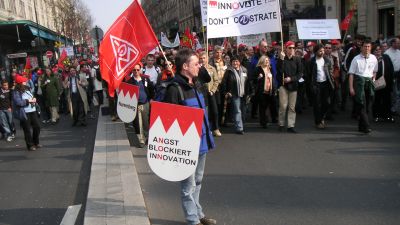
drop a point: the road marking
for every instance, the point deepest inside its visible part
(71, 214)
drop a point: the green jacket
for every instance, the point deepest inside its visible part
(51, 87)
(362, 86)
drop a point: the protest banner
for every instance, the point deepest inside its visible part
(318, 29)
(166, 43)
(174, 140)
(251, 40)
(127, 102)
(69, 50)
(203, 7)
(242, 17)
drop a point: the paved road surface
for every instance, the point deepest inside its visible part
(37, 187)
(332, 177)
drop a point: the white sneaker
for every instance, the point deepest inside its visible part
(9, 139)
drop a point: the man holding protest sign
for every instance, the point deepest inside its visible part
(289, 71)
(187, 66)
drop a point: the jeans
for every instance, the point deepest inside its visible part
(6, 122)
(238, 112)
(190, 193)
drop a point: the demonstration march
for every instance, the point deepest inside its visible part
(294, 108)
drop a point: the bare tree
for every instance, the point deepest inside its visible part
(72, 18)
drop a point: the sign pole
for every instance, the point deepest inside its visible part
(166, 60)
(283, 75)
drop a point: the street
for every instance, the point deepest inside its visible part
(37, 187)
(335, 176)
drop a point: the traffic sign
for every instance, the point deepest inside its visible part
(49, 54)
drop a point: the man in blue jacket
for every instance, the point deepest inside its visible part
(188, 93)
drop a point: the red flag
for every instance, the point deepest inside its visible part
(187, 39)
(28, 65)
(63, 56)
(344, 25)
(127, 41)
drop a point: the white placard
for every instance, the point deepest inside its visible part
(127, 102)
(174, 140)
(251, 40)
(68, 49)
(242, 17)
(203, 7)
(318, 29)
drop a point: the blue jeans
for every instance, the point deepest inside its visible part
(238, 112)
(190, 193)
(6, 122)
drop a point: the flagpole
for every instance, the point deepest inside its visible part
(205, 32)
(283, 76)
(165, 57)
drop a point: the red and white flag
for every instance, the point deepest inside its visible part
(174, 140)
(127, 102)
(127, 41)
(344, 25)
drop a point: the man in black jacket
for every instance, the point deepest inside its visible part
(146, 93)
(289, 72)
(322, 84)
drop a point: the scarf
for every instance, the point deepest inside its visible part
(240, 81)
(267, 82)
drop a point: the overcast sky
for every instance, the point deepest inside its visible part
(105, 12)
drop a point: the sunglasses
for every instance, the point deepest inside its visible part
(136, 70)
(327, 48)
(290, 47)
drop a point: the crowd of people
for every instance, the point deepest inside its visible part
(39, 96)
(273, 85)
(265, 82)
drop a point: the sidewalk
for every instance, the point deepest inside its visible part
(114, 195)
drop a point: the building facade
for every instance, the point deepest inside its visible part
(371, 17)
(170, 16)
(25, 10)
(379, 17)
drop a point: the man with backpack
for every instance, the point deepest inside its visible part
(186, 91)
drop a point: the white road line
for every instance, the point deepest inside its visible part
(71, 214)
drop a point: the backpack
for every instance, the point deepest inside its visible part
(161, 90)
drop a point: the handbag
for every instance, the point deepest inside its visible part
(380, 83)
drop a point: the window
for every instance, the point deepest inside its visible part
(22, 9)
(13, 8)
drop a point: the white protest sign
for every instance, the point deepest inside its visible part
(174, 140)
(242, 17)
(251, 40)
(68, 49)
(318, 29)
(203, 7)
(127, 102)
